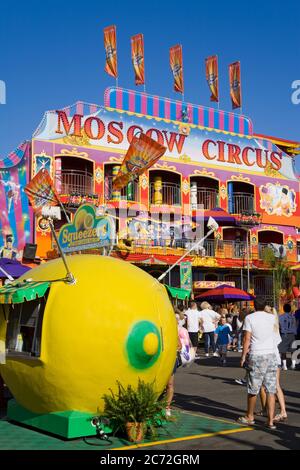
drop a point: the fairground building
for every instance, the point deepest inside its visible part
(215, 164)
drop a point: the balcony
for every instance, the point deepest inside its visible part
(240, 203)
(163, 246)
(280, 253)
(75, 181)
(207, 198)
(230, 249)
(170, 194)
(128, 193)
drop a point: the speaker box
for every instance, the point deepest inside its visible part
(29, 251)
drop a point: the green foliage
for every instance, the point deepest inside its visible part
(282, 272)
(139, 405)
(268, 257)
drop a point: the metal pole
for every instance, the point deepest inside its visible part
(248, 262)
(196, 245)
(70, 278)
(9, 277)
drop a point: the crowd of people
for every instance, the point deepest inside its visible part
(263, 338)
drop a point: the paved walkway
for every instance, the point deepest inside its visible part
(209, 389)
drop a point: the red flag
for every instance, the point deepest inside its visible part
(177, 67)
(110, 44)
(212, 77)
(142, 153)
(41, 192)
(235, 84)
(137, 56)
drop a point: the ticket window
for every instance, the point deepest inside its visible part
(24, 327)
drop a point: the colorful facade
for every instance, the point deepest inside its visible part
(213, 160)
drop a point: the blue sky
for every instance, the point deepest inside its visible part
(52, 54)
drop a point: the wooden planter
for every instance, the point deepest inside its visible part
(135, 431)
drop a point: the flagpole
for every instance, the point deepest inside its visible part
(69, 278)
(64, 211)
(186, 253)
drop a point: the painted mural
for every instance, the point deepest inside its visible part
(15, 222)
(277, 199)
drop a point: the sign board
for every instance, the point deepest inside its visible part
(186, 275)
(107, 128)
(212, 284)
(87, 231)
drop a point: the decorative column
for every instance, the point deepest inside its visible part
(158, 199)
(194, 203)
(115, 194)
(130, 191)
(58, 181)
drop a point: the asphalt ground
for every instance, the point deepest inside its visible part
(209, 389)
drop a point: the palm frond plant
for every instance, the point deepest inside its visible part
(140, 406)
(282, 274)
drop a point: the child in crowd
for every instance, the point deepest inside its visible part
(222, 334)
(228, 323)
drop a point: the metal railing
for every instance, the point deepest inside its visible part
(170, 194)
(263, 286)
(128, 193)
(148, 246)
(262, 247)
(241, 202)
(75, 181)
(232, 249)
(207, 198)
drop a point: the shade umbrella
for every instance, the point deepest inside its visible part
(220, 216)
(225, 293)
(12, 267)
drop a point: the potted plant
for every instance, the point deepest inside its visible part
(135, 410)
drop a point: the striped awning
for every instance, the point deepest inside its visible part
(21, 292)
(14, 157)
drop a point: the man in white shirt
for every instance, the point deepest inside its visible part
(193, 317)
(208, 323)
(260, 360)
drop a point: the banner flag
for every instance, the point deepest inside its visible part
(40, 191)
(212, 77)
(137, 56)
(177, 67)
(186, 275)
(235, 84)
(143, 152)
(110, 44)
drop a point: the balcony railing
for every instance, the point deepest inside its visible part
(226, 249)
(128, 193)
(262, 247)
(241, 202)
(74, 181)
(207, 198)
(148, 246)
(170, 194)
(232, 249)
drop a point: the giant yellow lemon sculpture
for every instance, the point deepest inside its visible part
(115, 323)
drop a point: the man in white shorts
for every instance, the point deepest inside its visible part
(260, 360)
